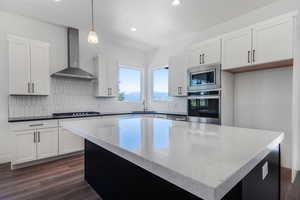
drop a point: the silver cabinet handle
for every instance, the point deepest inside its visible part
(249, 52)
(33, 125)
(203, 57)
(32, 87)
(28, 88)
(39, 136)
(180, 90)
(34, 137)
(200, 58)
(253, 55)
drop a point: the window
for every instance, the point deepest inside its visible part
(130, 81)
(160, 84)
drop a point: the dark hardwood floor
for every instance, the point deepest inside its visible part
(63, 180)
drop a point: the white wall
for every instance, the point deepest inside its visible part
(57, 37)
(263, 100)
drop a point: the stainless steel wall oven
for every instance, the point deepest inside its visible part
(205, 107)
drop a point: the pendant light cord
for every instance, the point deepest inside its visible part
(93, 27)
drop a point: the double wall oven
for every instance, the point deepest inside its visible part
(204, 94)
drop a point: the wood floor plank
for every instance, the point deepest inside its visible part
(64, 180)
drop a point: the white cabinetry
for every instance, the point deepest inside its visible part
(35, 144)
(34, 140)
(25, 147)
(69, 142)
(267, 42)
(273, 41)
(47, 143)
(39, 56)
(237, 49)
(108, 75)
(206, 53)
(178, 75)
(28, 67)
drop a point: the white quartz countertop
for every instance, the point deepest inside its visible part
(206, 160)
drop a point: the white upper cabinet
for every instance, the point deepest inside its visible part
(263, 43)
(236, 49)
(19, 66)
(40, 68)
(273, 41)
(108, 75)
(178, 75)
(28, 67)
(206, 53)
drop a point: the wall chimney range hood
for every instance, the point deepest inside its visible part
(73, 70)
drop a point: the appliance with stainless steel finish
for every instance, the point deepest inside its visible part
(205, 106)
(204, 77)
(73, 70)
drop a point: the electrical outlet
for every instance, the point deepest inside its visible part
(265, 170)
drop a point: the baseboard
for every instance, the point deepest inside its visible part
(38, 162)
(5, 159)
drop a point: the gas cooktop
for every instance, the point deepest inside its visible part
(76, 114)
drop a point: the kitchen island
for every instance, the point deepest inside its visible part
(150, 158)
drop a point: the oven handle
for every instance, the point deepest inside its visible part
(204, 97)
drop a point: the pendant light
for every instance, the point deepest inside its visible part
(93, 37)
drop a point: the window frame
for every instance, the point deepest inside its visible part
(142, 82)
(151, 89)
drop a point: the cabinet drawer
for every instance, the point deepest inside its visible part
(20, 126)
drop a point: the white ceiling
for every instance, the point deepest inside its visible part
(157, 22)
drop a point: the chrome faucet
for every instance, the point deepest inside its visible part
(144, 105)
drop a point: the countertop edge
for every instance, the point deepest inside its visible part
(45, 118)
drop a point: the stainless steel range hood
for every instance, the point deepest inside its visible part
(73, 70)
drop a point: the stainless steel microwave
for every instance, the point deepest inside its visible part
(204, 77)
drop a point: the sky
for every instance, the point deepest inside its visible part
(160, 80)
(130, 80)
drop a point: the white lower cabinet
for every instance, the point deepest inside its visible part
(69, 142)
(42, 139)
(35, 144)
(25, 147)
(47, 143)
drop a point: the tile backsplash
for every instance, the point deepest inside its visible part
(66, 95)
(75, 95)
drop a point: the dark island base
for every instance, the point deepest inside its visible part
(115, 178)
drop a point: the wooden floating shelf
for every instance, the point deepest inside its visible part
(272, 65)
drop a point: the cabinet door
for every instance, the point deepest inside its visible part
(69, 142)
(273, 41)
(196, 58)
(211, 52)
(113, 74)
(103, 80)
(25, 147)
(47, 143)
(236, 49)
(19, 66)
(40, 68)
(178, 75)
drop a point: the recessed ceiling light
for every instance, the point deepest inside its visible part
(176, 3)
(57, 0)
(133, 29)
